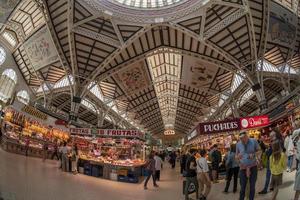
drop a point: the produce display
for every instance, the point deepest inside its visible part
(115, 151)
(21, 128)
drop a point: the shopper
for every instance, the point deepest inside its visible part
(246, 150)
(289, 146)
(74, 158)
(232, 169)
(45, 150)
(158, 166)
(296, 140)
(277, 166)
(55, 151)
(203, 175)
(191, 174)
(268, 153)
(150, 167)
(183, 160)
(65, 158)
(173, 157)
(27, 143)
(216, 159)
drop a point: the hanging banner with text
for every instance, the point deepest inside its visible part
(121, 133)
(254, 122)
(219, 126)
(107, 132)
(233, 125)
(80, 131)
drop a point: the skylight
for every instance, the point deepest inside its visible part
(64, 82)
(44, 86)
(165, 69)
(246, 96)
(89, 105)
(237, 80)
(148, 3)
(10, 38)
(96, 91)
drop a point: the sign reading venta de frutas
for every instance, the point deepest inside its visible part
(219, 126)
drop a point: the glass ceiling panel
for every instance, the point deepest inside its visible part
(148, 3)
(165, 71)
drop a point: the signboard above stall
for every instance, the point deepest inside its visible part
(230, 125)
(107, 132)
(254, 122)
(219, 126)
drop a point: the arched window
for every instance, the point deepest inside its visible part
(8, 82)
(23, 96)
(2, 55)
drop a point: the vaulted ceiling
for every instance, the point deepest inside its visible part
(165, 66)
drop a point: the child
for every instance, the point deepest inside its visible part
(277, 167)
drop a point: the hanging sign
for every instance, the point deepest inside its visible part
(254, 122)
(219, 126)
(34, 112)
(80, 131)
(124, 133)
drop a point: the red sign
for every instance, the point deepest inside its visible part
(254, 122)
(61, 122)
(219, 126)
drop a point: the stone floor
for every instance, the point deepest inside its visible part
(23, 178)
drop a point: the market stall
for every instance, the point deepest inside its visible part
(111, 154)
(224, 133)
(26, 135)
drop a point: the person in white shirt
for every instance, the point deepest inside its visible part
(203, 175)
(289, 146)
(158, 166)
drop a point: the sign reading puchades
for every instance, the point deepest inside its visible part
(107, 132)
(254, 122)
(218, 126)
(233, 125)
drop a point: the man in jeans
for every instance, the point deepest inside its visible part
(246, 150)
(191, 174)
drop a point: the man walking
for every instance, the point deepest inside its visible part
(246, 154)
(191, 174)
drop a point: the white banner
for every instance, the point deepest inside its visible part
(40, 49)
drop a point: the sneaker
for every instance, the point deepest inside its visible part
(156, 186)
(271, 189)
(263, 192)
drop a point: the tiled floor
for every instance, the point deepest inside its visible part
(24, 178)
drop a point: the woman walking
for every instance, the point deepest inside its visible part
(74, 159)
(277, 166)
(233, 168)
(150, 167)
(203, 175)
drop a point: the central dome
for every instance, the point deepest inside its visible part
(149, 3)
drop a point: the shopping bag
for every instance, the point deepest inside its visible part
(191, 188)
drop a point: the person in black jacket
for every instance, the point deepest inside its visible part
(183, 162)
(191, 174)
(216, 159)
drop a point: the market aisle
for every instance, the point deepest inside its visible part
(24, 178)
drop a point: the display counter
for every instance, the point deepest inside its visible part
(123, 173)
(114, 158)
